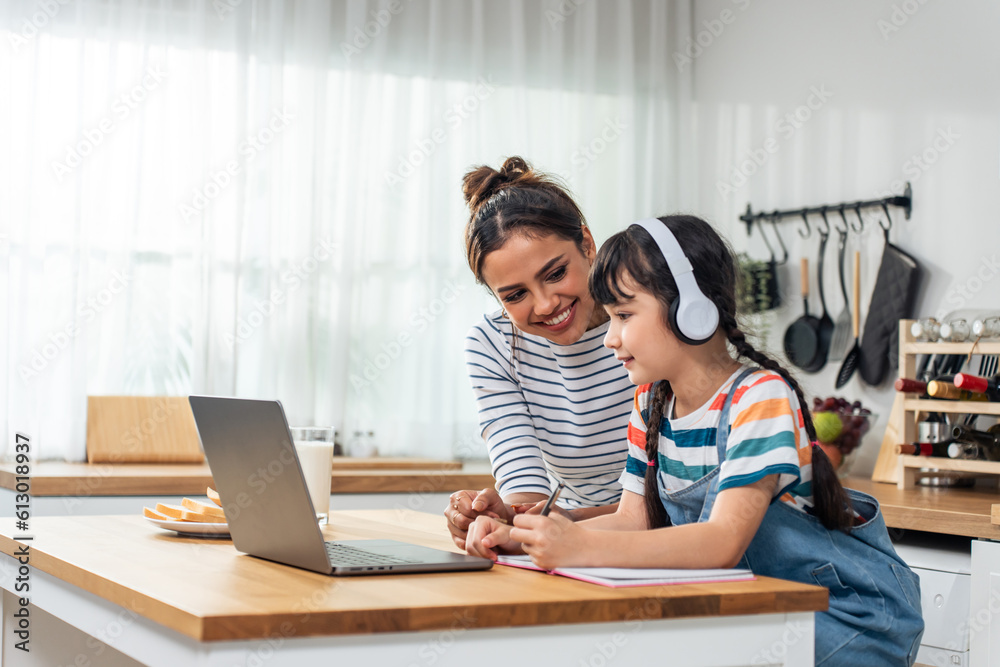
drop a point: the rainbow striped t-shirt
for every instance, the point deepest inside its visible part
(767, 436)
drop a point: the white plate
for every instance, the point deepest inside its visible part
(192, 527)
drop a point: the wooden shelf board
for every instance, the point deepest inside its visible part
(955, 465)
(982, 347)
(951, 407)
(52, 478)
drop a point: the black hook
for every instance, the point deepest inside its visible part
(805, 219)
(861, 221)
(766, 242)
(840, 209)
(888, 220)
(784, 250)
(824, 232)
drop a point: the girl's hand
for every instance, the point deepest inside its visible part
(488, 538)
(536, 508)
(464, 506)
(551, 541)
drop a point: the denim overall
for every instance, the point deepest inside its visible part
(874, 617)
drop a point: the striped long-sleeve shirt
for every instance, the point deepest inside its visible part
(558, 413)
(767, 436)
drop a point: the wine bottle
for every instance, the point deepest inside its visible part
(965, 450)
(924, 448)
(909, 386)
(987, 442)
(941, 389)
(989, 387)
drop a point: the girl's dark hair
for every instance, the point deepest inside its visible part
(515, 200)
(635, 253)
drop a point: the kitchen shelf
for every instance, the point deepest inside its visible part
(913, 468)
(951, 407)
(908, 469)
(914, 347)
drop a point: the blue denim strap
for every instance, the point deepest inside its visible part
(721, 439)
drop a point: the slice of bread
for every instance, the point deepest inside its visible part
(171, 511)
(213, 495)
(202, 508)
(153, 514)
(187, 515)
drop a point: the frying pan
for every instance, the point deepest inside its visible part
(802, 336)
(826, 325)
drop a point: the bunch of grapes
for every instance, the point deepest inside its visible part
(855, 420)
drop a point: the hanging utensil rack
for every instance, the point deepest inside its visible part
(903, 201)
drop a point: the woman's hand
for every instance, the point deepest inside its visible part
(465, 506)
(488, 538)
(551, 541)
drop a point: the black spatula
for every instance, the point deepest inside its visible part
(851, 360)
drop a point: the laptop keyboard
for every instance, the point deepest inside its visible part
(343, 555)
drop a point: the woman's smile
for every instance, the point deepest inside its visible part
(562, 320)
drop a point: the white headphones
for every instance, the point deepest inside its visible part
(693, 317)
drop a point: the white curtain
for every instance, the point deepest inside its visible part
(261, 198)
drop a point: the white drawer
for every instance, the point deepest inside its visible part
(938, 657)
(944, 597)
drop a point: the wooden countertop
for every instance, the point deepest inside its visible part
(964, 512)
(350, 475)
(206, 590)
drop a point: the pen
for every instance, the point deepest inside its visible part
(548, 503)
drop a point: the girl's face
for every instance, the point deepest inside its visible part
(639, 337)
(542, 284)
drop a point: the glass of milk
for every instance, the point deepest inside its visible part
(314, 447)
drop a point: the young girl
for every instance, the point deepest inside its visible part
(722, 471)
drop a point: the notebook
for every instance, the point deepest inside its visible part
(617, 577)
(256, 471)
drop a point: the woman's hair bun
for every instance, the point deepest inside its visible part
(514, 167)
(481, 183)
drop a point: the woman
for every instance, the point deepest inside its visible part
(553, 401)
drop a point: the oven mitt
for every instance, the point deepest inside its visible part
(892, 300)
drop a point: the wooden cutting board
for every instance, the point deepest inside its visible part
(886, 469)
(141, 429)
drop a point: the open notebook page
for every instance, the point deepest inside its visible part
(616, 577)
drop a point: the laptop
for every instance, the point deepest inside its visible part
(257, 473)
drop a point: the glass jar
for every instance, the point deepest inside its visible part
(927, 330)
(986, 327)
(956, 331)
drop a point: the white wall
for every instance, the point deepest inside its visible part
(900, 77)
